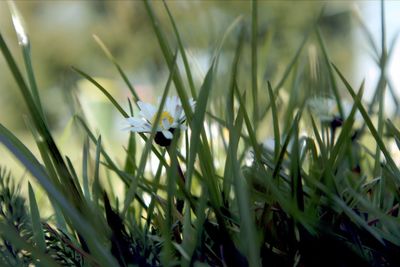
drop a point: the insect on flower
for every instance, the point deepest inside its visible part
(172, 118)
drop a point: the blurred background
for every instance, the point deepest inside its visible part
(61, 36)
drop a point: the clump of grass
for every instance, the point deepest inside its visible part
(317, 199)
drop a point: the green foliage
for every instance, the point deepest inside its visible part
(318, 196)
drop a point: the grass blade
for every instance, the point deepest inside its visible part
(104, 91)
(37, 228)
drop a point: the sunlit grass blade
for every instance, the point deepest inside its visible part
(24, 42)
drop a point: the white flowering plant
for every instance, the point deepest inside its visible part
(172, 118)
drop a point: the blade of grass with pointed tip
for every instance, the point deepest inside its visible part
(74, 176)
(285, 145)
(332, 80)
(290, 66)
(287, 72)
(234, 138)
(37, 228)
(393, 130)
(275, 122)
(321, 144)
(369, 124)
(250, 130)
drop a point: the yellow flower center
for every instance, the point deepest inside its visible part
(164, 115)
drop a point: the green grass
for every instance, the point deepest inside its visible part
(319, 197)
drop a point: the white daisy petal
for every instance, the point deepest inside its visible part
(147, 110)
(165, 124)
(140, 129)
(167, 134)
(192, 103)
(135, 121)
(169, 106)
(178, 112)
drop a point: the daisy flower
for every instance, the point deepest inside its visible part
(324, 107)
(172, 118)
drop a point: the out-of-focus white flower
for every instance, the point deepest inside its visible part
(323, 107)
(327, 110)
(172, 117)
